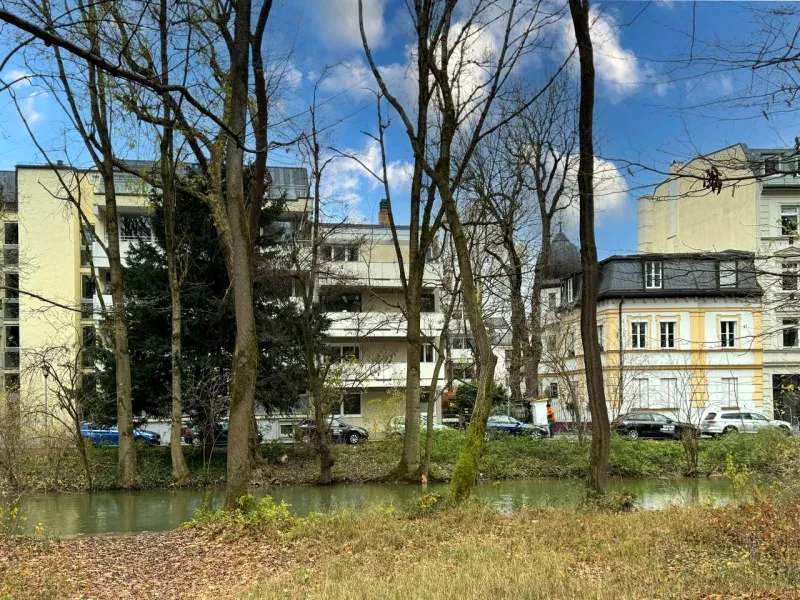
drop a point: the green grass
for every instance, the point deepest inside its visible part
(504, 458)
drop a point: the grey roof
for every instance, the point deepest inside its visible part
(564, 259)
(8, 186)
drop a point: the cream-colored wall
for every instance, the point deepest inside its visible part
(49, 267)
(682, 216)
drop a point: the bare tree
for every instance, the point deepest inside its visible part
(445, 58)
(601, 433)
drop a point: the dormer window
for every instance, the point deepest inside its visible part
(727, 274)
(652, 275)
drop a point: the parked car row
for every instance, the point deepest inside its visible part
(717, 422)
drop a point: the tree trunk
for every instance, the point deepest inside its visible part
(536, 345)
(322, 442)
(600, 449)
(517, 336)
(466, 470)
(409, 467)
(180, 475)
(245, 358)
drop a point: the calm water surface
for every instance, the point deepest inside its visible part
(160, 510)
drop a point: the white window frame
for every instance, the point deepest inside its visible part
(339, 352)
(553, 390)
(728, 274)
(664, 335)
(790, 210)
(638, 335)
(790, 324)
(427, 353)
(730, 391)
(601, 340)
(669, 391)
(570, 291)
(641, 392)
(653, 275)
(789, 272)
(727, 339)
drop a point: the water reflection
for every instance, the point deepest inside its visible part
(159, 510)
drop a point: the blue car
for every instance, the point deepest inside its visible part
(110, 437)
(511, 426)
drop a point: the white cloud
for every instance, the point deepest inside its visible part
(619, 70)
(337, 22)
(347, 186)
(26, 93)
(610, 191)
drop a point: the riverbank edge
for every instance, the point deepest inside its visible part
(506, 458)
(468, 551)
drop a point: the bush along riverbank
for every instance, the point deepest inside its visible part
(503, 458)
(428, 550)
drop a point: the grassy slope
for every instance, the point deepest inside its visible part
(504, 458)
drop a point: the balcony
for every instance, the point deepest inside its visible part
(392, 375)
(375, 275)
(379, 324)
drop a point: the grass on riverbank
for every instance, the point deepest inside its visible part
(468, 552)
(503, 458)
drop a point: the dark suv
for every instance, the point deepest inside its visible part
(652, 425)
(341, 431)
(194, 435)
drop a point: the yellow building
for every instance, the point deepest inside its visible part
(755, 207)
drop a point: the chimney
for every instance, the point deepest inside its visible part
(383, 213)
(60, 163)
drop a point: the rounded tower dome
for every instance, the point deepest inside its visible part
(565, 258)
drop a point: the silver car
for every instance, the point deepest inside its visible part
(718, 422)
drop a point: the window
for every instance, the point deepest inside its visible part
(667, 334)
(600, 338)
(458, 315)
(789, 276)
(730, 391)
(11, 256)
(11, 234)
(790, 333)
(340, 353)
(727, 334)
(551, 343)
(639, 335)
(570, 292)
(464, 372)
(11, 355)
(11, 304)
(107, 286)
(641, 392)
(430, 255)
(286, 430)
(507, 354)
(12, 336)
(770, 165)
(551, 300)
(87, 239)
(789, 220)
(351, 405)
(460, 342)
(427, 303)
(11, 382)
(727, 273)
(88, 345)
(669, 392)
(571, 343)
(135, 227)
(340, 253)
(426, 353)
(652, 275)
(87, 287)
(341, 302)
(553, 391)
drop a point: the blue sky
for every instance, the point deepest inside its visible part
(650, 109)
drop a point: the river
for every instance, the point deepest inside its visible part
(161, 510)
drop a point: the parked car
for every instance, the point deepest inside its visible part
(397, 425)
(194, 436)
(511, 426)
(652, 425)
(110, 437)
(718, 422)
(341, 431)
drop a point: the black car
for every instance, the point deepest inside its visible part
(194, 435)
(341, 431)
(652, 425)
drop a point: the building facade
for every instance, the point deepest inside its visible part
(755, 207)
(679, 333)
